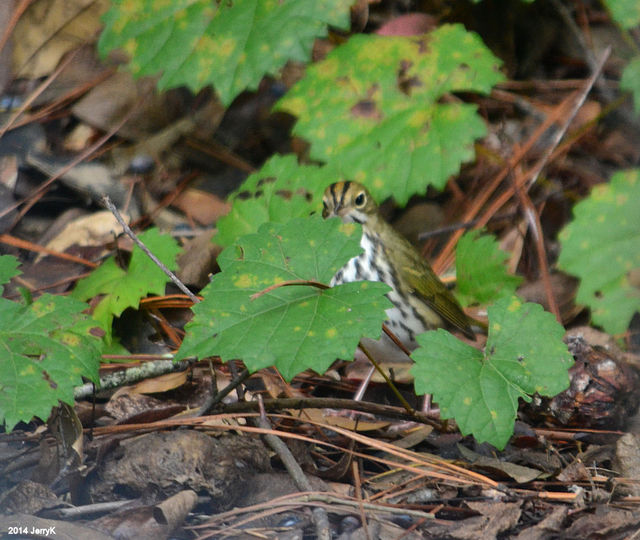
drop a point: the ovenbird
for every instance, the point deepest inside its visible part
(420, 300)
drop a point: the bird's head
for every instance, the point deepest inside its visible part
(350, 201)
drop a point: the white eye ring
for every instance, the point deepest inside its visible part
(359, 200)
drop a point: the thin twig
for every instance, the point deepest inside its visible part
(357, 488)
(30, 246)
(221, 153)
(291, 501)
(11, 24)
(395, 339)
(216, 398)
(529, 210)
(167, 200)
(466, 225)
(112, 208)
(559, 133)
(384, 411)
(424, 465)
(235, 377)
(447, 254)
(33, 290)
(32, 97)
(323, 531)
(589, 57)
(535, 226)
(75, 512)
(42, 188)
(147, 370)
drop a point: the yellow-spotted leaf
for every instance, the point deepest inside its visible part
(48, 347)
(601, 246)
(524, 355)
(295, 327)
(231, 45)
(373, 108)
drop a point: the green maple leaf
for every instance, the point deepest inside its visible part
(229, 44)
(125, 288)
(48, 347)
(372, 108)
(625, 12)
(480, 270)
(601, 246)
(281, 190)
(294, 327)
(524, 355)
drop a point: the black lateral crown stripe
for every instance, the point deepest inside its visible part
(345, 188)
(332, 189)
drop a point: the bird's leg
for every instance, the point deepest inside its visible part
(389, 382)
(427, 407)
(364, 384)
(392, 349)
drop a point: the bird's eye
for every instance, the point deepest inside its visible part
(324, 205)
(360, 200)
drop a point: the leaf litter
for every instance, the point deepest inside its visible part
(571, 468)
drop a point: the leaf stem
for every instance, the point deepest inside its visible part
(305, 282)
(392, 386)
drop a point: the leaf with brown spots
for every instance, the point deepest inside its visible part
(373, 108)
(48, 347)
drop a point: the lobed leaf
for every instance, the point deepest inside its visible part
(372, 108)
(293, 327)
(123, 289)
(480, 270)
(524, 355)
(232, 45)
(49, 346)
(601, 246)
(281, 190)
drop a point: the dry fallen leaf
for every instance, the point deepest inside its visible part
(51, 28)
(92, 230)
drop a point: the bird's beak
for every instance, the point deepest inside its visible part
(338, 211)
